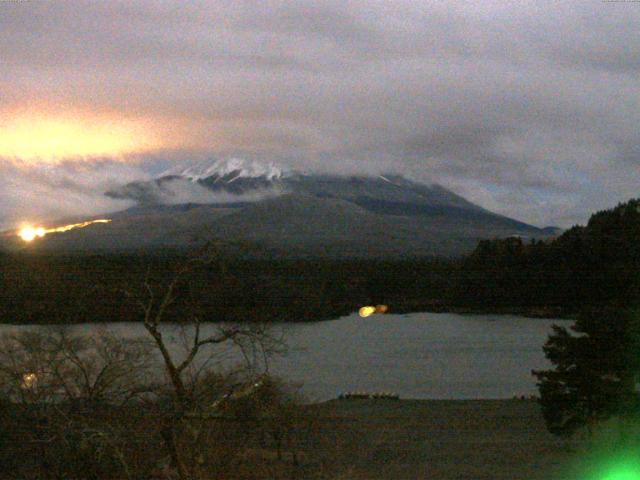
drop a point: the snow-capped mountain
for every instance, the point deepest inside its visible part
(237, 180)
(220, 181)
(230, 169)
(295, 213)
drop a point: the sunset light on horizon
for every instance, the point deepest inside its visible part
(35, 137)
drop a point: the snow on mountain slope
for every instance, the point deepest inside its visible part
(223, 180)
(240, 168)
(304, 213)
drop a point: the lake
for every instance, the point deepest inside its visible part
(418, 355)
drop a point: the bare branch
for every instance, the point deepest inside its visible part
(212, 340)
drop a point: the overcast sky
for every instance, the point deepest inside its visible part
(530, 109)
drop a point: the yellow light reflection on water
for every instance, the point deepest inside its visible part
(29, 380)
(367, 311)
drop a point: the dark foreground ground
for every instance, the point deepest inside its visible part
(347, 440)
(434, 439)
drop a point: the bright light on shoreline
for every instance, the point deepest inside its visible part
(367, 311)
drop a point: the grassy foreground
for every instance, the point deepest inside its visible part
(441, 439)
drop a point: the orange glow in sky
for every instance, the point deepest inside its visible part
(49, 137)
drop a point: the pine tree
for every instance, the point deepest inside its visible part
(597, 368)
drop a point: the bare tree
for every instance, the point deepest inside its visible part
(67, 392)
(53, 365)
(187, 372)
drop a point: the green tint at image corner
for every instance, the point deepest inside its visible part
(625, 468)
(622, 473)
(604, 461)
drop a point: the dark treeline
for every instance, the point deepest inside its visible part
(106, 288)
(586, 266)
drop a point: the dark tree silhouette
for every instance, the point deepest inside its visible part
(596, 370)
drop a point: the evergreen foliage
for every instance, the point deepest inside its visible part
(596, 371)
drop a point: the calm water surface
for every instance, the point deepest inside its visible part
(419, 355)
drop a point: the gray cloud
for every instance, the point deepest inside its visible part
(43, 193)
(529, 108)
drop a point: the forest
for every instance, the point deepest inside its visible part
(587, 266)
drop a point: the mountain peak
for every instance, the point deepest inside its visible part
(230, 169)
(312, 213)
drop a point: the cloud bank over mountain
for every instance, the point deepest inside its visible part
(529, 108)
(41, 193)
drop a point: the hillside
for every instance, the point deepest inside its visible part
(292, 214)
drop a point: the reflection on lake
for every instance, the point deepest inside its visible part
(419, 355)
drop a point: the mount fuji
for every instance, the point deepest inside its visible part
(293, 213)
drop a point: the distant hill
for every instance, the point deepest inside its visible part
(293, 214)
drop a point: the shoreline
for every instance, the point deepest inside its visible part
(527, 312)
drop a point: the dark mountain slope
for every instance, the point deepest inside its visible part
(293, 214)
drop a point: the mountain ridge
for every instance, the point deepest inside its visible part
(294, 213)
